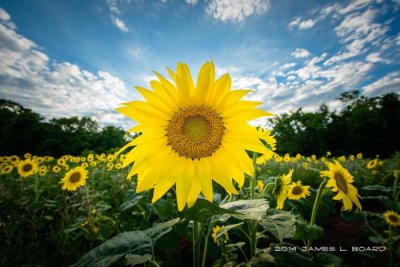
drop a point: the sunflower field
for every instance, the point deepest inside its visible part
(197, 185)
(97, 219)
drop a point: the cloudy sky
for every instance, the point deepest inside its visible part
(73, 57)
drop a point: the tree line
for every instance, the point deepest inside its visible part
(367, 125)
(23, 130)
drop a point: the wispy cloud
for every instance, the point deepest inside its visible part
(114, 15)
(301, 24)
(192, 2)
(301, 53)
(120, 24)
(388, 83)
(53, 88)
(236, 10)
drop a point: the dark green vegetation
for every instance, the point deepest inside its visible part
(22, 130)
(367, 125)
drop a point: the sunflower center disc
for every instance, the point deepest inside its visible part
(393, 218)
(75, 177)
(195, 132)
(341, 182)
(27, 167)
(297, 190)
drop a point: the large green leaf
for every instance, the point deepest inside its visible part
(288, 255)
(202, 210)
(133, 242)
(249, 209)
(304, 231)
(279, 223)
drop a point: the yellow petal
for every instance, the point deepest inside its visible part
(194, 192)
(184, 183)
(204, 81)
(204, 174)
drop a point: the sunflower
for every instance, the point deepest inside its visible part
(297, 191)
(74, 178)
(27, 168)
(192, 135)
(56, 169)
(340, 180)
(7, 169)
(372, 163)
(281, 188)
(219, 235)
(392, 218)
(265, 136)
(260, 185)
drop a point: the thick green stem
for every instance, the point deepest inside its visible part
(253, 224)
(36, 187)
(203, 260)
(315, 207)
(396, 179)
(196, 243)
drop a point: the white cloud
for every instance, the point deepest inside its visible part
(4, 15)
(192, 2)
(120, 24)
(375, 57)
(287, 66)
(115, 19)
(54, 89)
(301, 53)
(301, 25)
(236, 10)
(388, 83)
(354, 6)
(358, 32)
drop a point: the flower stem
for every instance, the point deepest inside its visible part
(203, 260)
(36, 187)
(396, 179)
(315, 207)
(196, 243)
(253, 224)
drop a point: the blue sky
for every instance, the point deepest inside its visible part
(72, 57)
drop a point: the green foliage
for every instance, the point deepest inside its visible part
(134, 245)
(23, 130)
(367, 125)
(280, 223)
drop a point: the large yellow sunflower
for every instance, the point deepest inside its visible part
(74, 178)
(281, 188)
(297, 191)
(340, 180)
(265, 135)
(27, 168)
(392, 218)
(192, 134)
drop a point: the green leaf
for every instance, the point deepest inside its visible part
(377, 239)
(134, 259)
(304, 231)
(377, 187)
(264, 259)
(325, 259)
(249, 209)
(202, 210)
(279, 223)
(133, 242)
(288, 255)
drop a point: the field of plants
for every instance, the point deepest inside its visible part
(83, 211)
